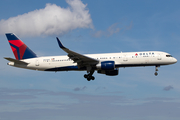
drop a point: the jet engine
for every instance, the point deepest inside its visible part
(106, 65)
(109, 72)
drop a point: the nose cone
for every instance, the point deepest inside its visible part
(174, 60)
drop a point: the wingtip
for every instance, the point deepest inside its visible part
(59, 42)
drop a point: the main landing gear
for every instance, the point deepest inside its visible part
(89, 76)
(156, 71)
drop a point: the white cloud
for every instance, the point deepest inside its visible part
(167, 88)
(80, 89)
(40, 103)
(110, 31)
(51, 20)
(113, 29)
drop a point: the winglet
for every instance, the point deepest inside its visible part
(60, 44)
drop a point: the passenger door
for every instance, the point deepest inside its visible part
(37, 63)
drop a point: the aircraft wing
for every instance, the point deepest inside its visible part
(16, 61)
(80, 59)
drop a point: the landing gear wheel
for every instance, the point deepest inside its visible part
(93, 78)
(155, 73)
(89, 78)
(85, 76)
(90, 72)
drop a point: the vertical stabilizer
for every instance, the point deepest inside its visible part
(20, 50)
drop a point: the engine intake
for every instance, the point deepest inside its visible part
(106, 65)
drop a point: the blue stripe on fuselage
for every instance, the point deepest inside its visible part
(65, 68)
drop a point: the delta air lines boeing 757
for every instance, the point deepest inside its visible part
(107, 63)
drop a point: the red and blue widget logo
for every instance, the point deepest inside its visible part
(20, 50)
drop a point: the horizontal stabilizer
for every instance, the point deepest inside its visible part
(16, 61)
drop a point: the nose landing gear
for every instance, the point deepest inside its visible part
(156, 71)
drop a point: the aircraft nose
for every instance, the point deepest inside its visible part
(175, 60)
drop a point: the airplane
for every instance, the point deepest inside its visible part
(106, 63)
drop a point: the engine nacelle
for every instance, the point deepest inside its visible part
(106, 65)
(112, 72)
(109, 72)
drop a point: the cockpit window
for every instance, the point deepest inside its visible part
(168, 55)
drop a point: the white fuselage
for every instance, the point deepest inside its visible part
(126, 59)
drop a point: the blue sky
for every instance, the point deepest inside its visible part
(88, 26)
